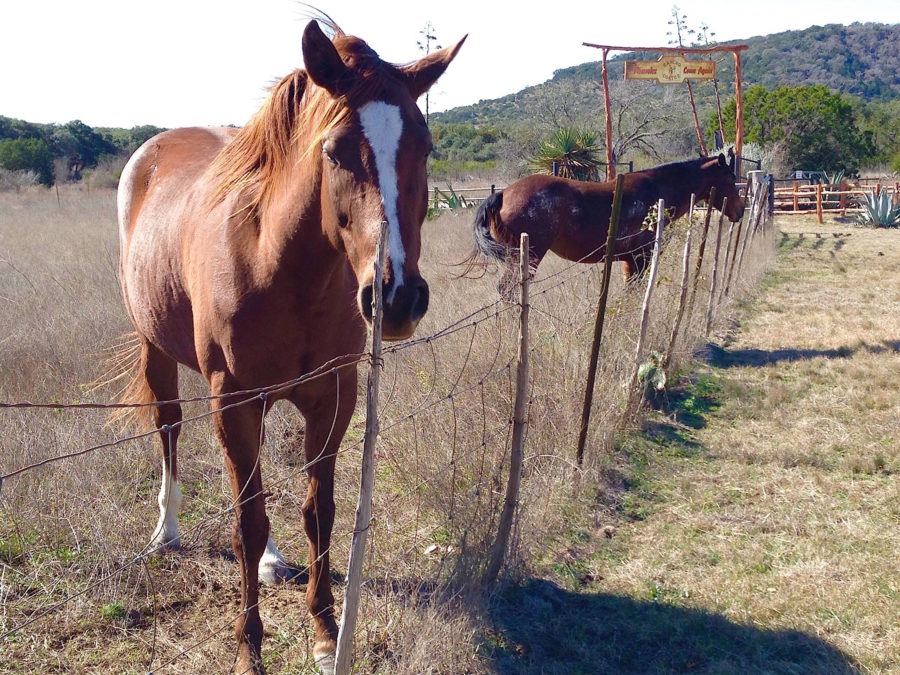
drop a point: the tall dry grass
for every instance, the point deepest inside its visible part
(67, 528)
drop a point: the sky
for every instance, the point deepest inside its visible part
(200, 62)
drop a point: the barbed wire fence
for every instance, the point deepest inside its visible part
(441, 463)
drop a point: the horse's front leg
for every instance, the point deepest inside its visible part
(239, 431)
(327, 412)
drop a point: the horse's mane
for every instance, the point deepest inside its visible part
(680, 165)
(294, 108)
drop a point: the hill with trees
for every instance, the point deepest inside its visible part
(858, 63)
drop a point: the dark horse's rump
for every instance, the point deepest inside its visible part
(571, 218)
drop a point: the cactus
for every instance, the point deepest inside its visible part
(879, 210)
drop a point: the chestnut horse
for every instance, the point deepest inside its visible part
(571, 218)
(248, 255)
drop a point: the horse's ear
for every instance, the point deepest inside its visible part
(323, 63)
(731, 160)
(425, 72)
(722, 161)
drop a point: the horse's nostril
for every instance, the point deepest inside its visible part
(365, 301)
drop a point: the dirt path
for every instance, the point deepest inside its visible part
(762, 513)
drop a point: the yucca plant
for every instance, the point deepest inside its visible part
(576, 151)
(879, 210)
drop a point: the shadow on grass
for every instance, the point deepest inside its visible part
(721, 357)
(538, 627)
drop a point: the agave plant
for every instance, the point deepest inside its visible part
(879, 210)
(828, 180)
(575, 151)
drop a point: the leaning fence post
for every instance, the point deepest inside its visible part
(757, 206)
(651, 282)
(601, 316)
(685, 276)
(517, 451)
(367, 479)
(715, 272)
(700, 253)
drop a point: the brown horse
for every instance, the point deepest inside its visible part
(571, 218)
(248, 255)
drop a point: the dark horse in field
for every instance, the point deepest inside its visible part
(571, 218)
(248, 255)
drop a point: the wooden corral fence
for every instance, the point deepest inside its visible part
(797, 197)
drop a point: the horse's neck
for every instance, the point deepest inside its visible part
(291, 222)
(677, 191)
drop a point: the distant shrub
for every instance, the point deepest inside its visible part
(16, 180)
(28, 154)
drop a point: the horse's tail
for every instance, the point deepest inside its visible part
(488, 216)
(124, 361)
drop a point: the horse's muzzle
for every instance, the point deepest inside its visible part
(402, 309)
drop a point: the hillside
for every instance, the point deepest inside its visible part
(860, 60)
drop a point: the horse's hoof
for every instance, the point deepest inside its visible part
(274, 569)
(248, 662)
(164, 543)
(273, 573)
(323, 657)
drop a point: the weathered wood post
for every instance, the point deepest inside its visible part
(651, 282)
(367, 480)
(517, 451)
(700, 254)
(715, 272)
(796, 196)
(758, 199)
(598, 321)
(685, 275)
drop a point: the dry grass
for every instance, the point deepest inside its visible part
(780, 509)
(445, 421)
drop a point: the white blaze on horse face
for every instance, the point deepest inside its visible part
(382, 127)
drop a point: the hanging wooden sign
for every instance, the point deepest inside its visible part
(670, 70)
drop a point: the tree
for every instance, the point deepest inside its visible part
(28, 154)
(679, 31)
(425, 47)
(816, 127)
(81, 146)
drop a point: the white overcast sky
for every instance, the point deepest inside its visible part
(199, 62)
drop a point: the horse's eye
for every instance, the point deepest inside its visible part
(329, 155)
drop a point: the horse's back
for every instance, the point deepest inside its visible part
(169, 163)
(162, 186)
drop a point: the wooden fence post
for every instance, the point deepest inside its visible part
(700, 253)
(819, 202)
(715, 272)
(367, 480)
(517, 451)
(685, 275)
(796, 196)
(598, 321)
(651, 282)
(757, 206)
